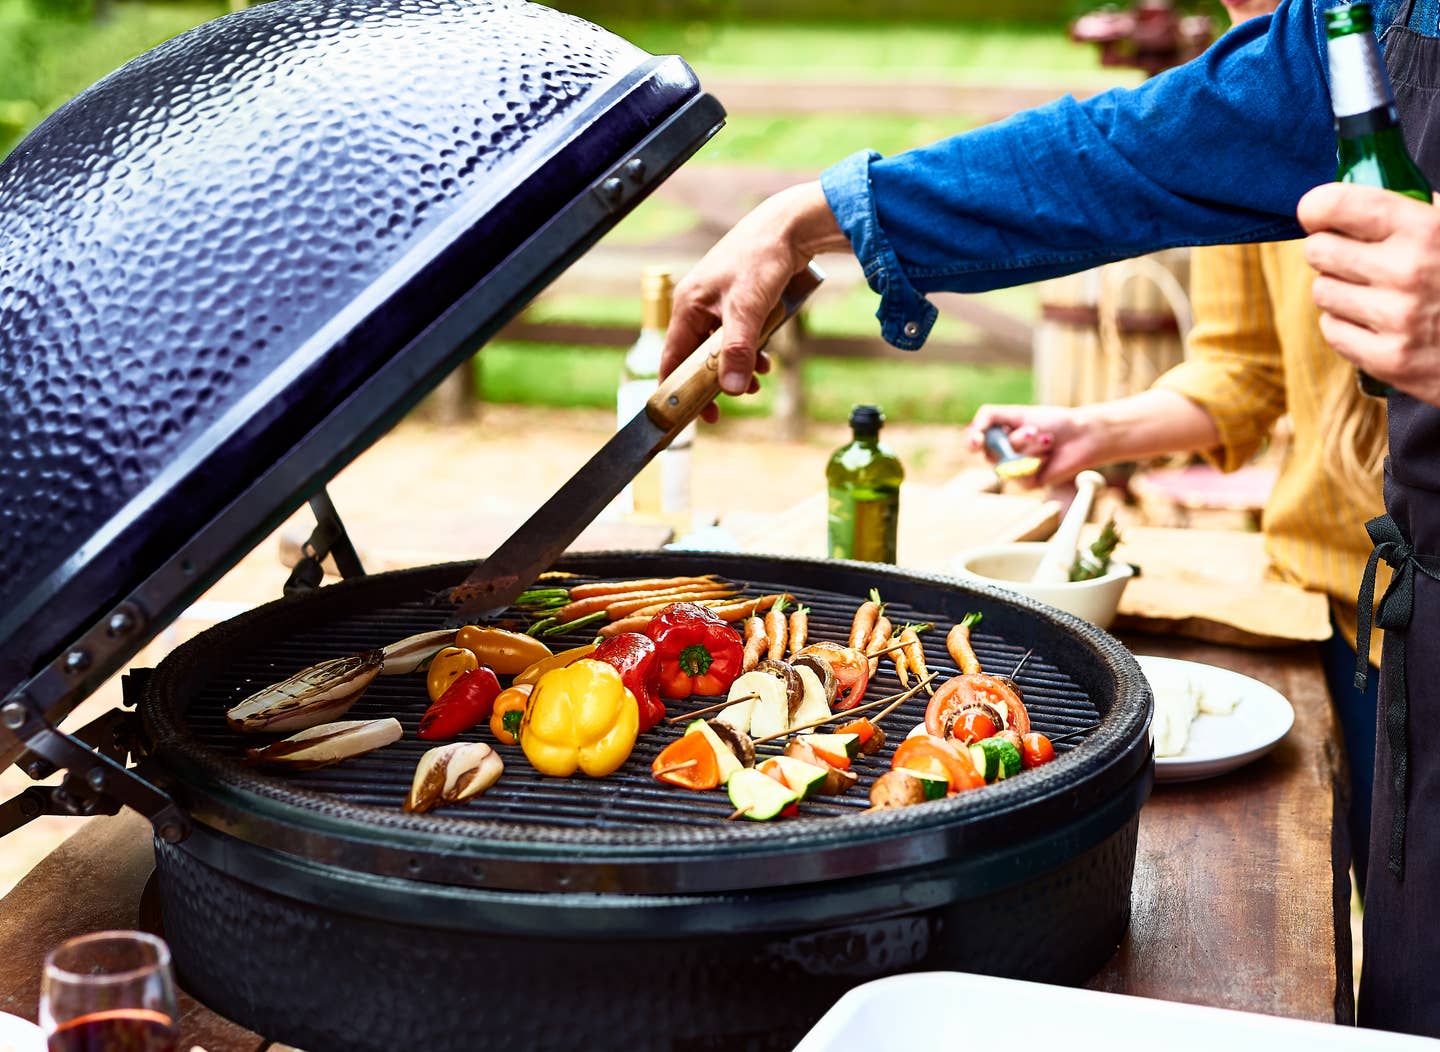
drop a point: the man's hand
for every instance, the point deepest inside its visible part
(740, 280)
(1378, 254)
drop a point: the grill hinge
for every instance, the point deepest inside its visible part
(328, 538)
(96, 779)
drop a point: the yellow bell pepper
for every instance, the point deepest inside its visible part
(554, 661)
(504, 651)
(580, 717)
(446, 667)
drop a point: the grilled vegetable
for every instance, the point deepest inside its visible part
(814, 705)
(757, 796)
(768, 712)
(699, 653)
(580, 718)
(822, 670)
(777, 629)
(637, 599)
(451, 773)
(897, 789)
(637, 604)
(973, 690)
(804, 779)
(935, 756)
(536, 669)
(467, 703)
(446, 667)
(509, 712)
(726, 746)
(648, 584)
(1035, 749)
(995, 758)
(837, 779)
(689, 762)
(872, 738)
(634, 656)
(756, 643)
(835, 749)
(508, 653)
(864, 622)
(973, 725)
(851, 670)
(958, 644)
(932, 786)
(328, 743)
(413, 651)
(914, 654)
(799, 628)
(314, 695)
(878, 641)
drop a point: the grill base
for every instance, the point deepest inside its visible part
(321, 978)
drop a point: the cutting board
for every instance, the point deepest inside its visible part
(1214, 585)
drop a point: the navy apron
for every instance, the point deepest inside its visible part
(1400, 978)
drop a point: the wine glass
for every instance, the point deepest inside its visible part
(110, 991)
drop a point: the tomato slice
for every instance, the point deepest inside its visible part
(970, 688)
(1035, 750)
(925, 752)
(851, 668)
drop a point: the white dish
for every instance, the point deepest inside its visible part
(954, 1010)
(1219, 744)
(19, 1035)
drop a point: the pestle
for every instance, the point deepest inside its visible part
(1059, 554)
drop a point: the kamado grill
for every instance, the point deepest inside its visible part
(223, 271)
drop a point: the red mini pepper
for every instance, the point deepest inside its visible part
(465, 703)
(635, 657)
(699, 653)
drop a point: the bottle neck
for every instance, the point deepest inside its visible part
(1359, 89)
(865, 436)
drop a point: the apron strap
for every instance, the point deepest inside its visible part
(1393, 615)
(1403, 19)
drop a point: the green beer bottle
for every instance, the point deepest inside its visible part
(864, 478)
(1371, 147)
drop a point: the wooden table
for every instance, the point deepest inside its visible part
(1239, 899)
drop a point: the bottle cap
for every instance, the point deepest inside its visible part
(866, 418)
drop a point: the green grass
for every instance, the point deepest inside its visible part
(913, 390)
(809, 142)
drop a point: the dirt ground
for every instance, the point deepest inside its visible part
(426, 493)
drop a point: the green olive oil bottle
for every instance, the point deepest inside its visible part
(863, 478)
(1371, 147)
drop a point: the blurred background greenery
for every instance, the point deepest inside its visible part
(51, 49)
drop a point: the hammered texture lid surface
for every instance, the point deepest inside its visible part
(211, 248)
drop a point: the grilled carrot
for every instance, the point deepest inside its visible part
(864, 623)
(901, 658)
(958, 643)
(648, 584)
(914, 652)
(580, 607)
(878, 641)
(799, 628)
(776, 629)
(756, 642)
(634, 604)
(739, 608)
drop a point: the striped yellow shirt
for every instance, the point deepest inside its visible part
(1254, 354)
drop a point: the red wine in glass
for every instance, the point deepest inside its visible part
(112, 991)
(118, 1030)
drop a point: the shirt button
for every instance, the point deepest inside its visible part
(912, 329)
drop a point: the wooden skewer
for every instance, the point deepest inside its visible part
(711, 708)
(675, 767)
(906, 696)
(1020, 664)
(737, 813)
(1071, 734)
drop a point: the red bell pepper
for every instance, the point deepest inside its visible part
(465, 703)
(634, 656)
(699, 653)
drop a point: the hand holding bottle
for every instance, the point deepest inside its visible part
(1378, 255)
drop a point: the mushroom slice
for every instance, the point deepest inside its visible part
(328, 743)
(794, 689)
(818, 665)
(413, 651)
(769, 713)
(815, 706)
(737, 741)
(450, 773)
(314, 695)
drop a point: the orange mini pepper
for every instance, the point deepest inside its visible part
(688, 762)
(446, 667)
(509, 711)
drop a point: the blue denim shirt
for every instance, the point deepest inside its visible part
(1216, 151)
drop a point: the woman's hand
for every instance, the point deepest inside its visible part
(1378, 254)
(739, 281)
(1060, 436)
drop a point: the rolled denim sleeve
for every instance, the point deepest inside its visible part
(1216, 151)
(905, 316)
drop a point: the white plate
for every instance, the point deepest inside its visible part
(950, 1011)
(18, 1035)
(1218, 744)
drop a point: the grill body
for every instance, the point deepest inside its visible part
(616, 911)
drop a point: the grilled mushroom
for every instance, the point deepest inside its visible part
(315, 695)
(737, 741)
(794, 689)
(822, 669)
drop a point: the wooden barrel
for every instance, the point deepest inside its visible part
(1110, 332)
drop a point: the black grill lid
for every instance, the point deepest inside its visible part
(230, 265)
